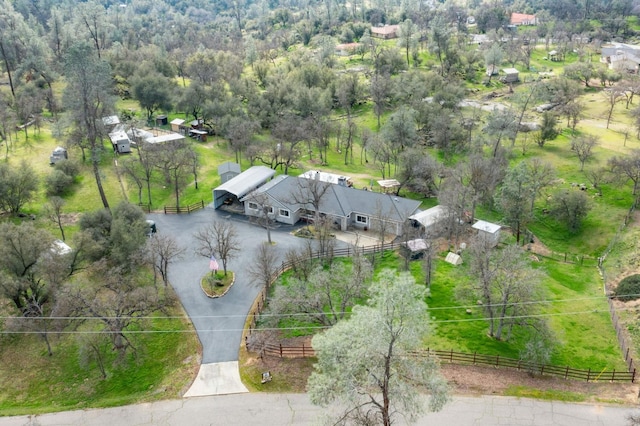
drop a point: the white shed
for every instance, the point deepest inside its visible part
(511, 75)
(488, 232)
(431, 219)
(120, 141)
(58, 154)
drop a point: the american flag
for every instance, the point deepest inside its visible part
(213, 264)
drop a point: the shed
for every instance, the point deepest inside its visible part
(228, 170)
(416, 247)
(453, 259)
(430, 220)
(511, 75)
(385, 32)
(488, 232)
(553, 56)
(388, 184)
(176, 125)
(110, 122)
(200, 135)
(161, 120)
(57, 155)
(60, 248)
(120, 141)
(239, 186)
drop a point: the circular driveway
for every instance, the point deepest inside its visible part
(219, 322)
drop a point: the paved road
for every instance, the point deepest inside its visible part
(295, 409)
(218, 322)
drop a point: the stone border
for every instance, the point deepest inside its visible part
(216, 296)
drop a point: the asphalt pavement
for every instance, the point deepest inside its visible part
(295, 409)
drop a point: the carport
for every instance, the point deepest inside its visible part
(236, 188)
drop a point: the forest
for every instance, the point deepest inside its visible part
(531, 125)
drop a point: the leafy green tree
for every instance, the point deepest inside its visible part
(583, 147)
(493, 59)
(17, 186)
(548, 130)
(570, 207)
(366, 363)
(153, 92)
(514, 199)
(88, 97)
(580, 71)
(627, 168)
(408, 36)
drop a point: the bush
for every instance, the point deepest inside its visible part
(68, 167)
(58, 182)
(629, 288)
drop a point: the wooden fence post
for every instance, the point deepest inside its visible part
(633, 376)
(497, 360)
(280, 350)
(303, 355)
(588, 375)
(566, 373)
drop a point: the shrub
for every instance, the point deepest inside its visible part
(58, 182)
(629, 288)
(68, 167)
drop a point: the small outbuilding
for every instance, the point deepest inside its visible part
(57, 155)
(416, 247)
(120, 141)
(511, 75)
(241, 185)
(453, 258)
(430, 220)
(110, 122)
(161, 120)
(177, 125)
(488, 232)
(228, 170)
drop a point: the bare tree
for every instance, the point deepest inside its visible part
(505, 284)
(54, 211)
(597, 176)
(583, 147)
(309, 192)
(263, 268)
(218, 238)
(259, 203)
(162, 251)
(628, 168)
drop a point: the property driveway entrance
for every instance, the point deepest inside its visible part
(218, 322)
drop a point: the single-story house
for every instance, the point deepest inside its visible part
(522, 19)
(621, 56)
(241, 185)
(165, 138)
(346, 207)
(511, 75)
(177, 125)
(228, 170)
(488, 232)
(120, 141)
(430, 220)
(385, 32)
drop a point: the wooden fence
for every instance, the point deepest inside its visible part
(453, 357)
(187, 209)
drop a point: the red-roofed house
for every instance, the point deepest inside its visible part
(523, 19)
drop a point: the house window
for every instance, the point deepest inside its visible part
(269, 209)
(284, 212)
(361, 219)
(253, 206)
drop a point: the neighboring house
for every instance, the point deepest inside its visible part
(165, 138)
(431, 220)
(228, 171)
(385, 32)
(346, 207)
(234, 189)
(347, 49)
(327, 177)
(518, 19)
(120, 141)
(488, 232)
(621, 56)
(511, 75)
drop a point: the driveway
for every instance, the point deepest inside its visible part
(219, 322)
